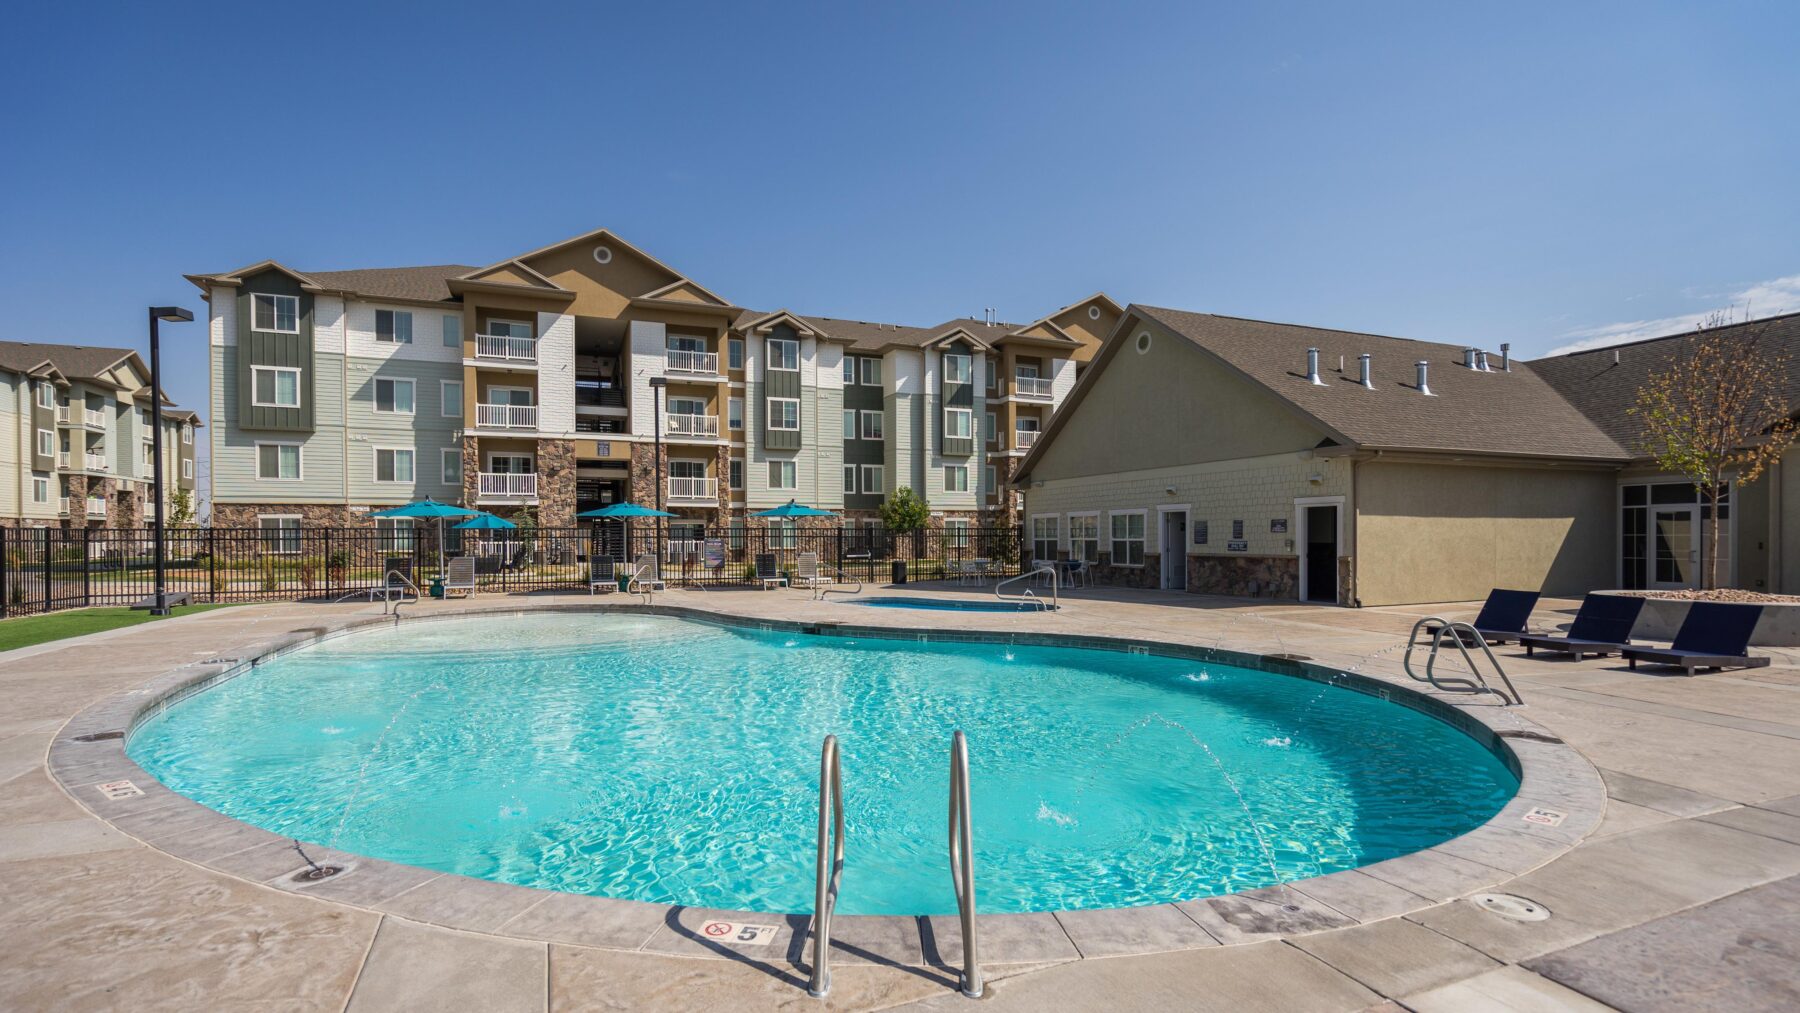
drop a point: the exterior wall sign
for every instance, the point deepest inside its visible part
(1199, 532)
(1278, 526)
(602, 448)
(1235, 546)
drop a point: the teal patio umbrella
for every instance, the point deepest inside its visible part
(792, 509)
(624, 512)
(428, 509)
(485, 522)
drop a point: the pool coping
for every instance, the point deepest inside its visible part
(1561, 800)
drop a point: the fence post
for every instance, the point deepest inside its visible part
(87, 566)
(47, 576)
(212, 566)
(5, 585)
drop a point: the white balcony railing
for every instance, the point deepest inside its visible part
(691, 489)
(506, 416)
(62, 459)
(692, 425)
(1024, 438)
(96, 506)
(62, 412)
(1031, 386)
(96, 462)
(93, 418)
(507, 486)
(63, 505)
(505, 346)
(683, 361)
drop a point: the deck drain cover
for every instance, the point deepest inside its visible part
(314, 875)
(1289, 657)
(1506, 905)
(99, 736)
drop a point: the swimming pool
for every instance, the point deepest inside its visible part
(954, 604)
(667, 760)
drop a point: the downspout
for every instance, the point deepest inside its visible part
(1775, 563)
(344, 401)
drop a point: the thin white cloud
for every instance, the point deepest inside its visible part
(1763, 299)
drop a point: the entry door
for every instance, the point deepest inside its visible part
(1674, 546)
(1174, 550)
(1321, 554)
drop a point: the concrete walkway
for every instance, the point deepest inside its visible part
(1684, 897)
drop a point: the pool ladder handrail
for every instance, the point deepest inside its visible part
(1461, 634)
(820, 592)
(962, 863)
(389, 587)
(1030, 596)
(830, 874)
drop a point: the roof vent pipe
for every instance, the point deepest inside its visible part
(1424, 367)
(1368, 379)
(1312, 367)
(1469, 357)
(1506, 356)
(1481, 362)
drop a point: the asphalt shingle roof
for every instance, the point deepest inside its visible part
(78, 361)
(420, 284)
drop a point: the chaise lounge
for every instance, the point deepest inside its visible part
(1714, 635)
(1503, 615)
(1602, 626)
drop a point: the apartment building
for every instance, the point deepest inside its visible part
(544, 384)
(76, 447)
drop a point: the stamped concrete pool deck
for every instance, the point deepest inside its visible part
(1673, 884)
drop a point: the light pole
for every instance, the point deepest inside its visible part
(173, 314)
(657, 383)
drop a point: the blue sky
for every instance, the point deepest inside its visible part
(1541, 175)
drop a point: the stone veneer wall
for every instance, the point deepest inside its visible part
(1103, 572)
(645, 478)
(556, 483)
(312, 515)
(1245, 576)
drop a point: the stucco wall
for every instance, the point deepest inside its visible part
(1434, 533)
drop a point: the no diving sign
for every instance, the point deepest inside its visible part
(739, 933)
(1545, 817)
(115, 790)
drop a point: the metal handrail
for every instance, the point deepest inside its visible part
(962, 862)
(829, 875)
(1040, 570)
(1460, 634)
(388, 587)
(819, 593)
(638, 585)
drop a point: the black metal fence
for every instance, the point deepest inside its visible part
(45, 569)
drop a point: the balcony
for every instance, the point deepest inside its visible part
(694, 490)
(692, 425)
(1031, 386)
(63, 506)
(505, 348)
(62, 459)
(95, 462)
(1024, 439)
(683, 361)
(96, 506)
(507, 487)
(506, 416)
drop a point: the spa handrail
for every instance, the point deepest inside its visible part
(820, 592)
(962, 863)
(1041, 569)
(829, 874)
(1460, 634)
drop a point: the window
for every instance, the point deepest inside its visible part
(279, 461)
(450, 466)
(734, 413)
(275, 386)
(684, 343)
(393, 464)
(46, 443)
(278, 313)
(46, 395)
(849, 479)
(993, 484)
(734, 353)
(187, 435)
(784, 353)
(871, 425)
(394, 534)
(988, 429)
(871, 371)
(782, 533)
(784, 413)
(394, 326)
(956, 478)
(992, 379)
(735, 533)
(1084, 537)
(452, 331)
(872, 475)
(1128, 539)
(849, 370)
(40, 490)
(687, 406)
(509, 328)
(394, 396)
(958, 368)
(736, 473)
(187, 468)
(956, 534)
(957, 422)
(781, 475)
(450, 398)
(280, 534)
(849, 423)
(1043, 538)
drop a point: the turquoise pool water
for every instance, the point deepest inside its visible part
(665, 760)
(953, 604)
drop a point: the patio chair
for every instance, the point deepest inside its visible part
(1714, 635)
(601, 572)
(646, 575)
(1602, 626)
(767, 573)
(460, 576)
(1075, 573)
(807, 571)
(1503, 616)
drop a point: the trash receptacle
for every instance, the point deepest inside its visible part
(899, 571)
(624, 581)
(437, 587)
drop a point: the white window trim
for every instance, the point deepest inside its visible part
(445, 402)
(450, 329)
(951, 468)
(395, 338)
(375, 466)
(880, 471)
(274, 313)
(259, 403)
(851, 483)
(414, 384)
(46, 395)
(862, 370)
(299, 463)
(786, 465)
(187, 468)
(862, 427)
(968, 368)
(505, 320)
(772, 357)
(1069, 526)
(494, 455)
(40, 483)
(299, 526)
(739, 403)
(968, 428)
(852, 422)
(1108, 539)
(1299, 536)
(771, 416)
(187, 434)
(445, 456)
(737, 343)
(739, 463)
(42, 434)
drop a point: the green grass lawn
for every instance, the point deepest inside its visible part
(28, 630)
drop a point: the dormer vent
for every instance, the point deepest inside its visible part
(1312, 367)
(1423, 368)
(1367, 378)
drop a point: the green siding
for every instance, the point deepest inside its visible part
(958, 395)
(262, 348)
(781, 383)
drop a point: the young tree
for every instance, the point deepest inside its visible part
(1720, 406)
(904, 511)
(181, 508)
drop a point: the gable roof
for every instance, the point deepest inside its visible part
(1604, 389)
(79, 362)
(404, 284)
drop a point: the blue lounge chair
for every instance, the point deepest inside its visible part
(1503, 615)
(1601, 627)
(1714, 635)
